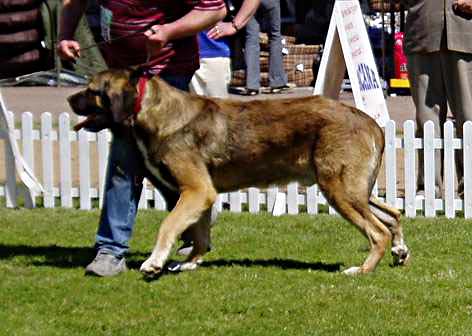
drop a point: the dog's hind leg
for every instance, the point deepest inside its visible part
(357, 212)
(391, 218)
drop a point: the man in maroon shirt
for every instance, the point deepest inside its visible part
(168, 48)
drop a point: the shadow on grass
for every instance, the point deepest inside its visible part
(53, 255)
(71, 257)
(280, 263)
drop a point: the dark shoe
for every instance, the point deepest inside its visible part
(106, 264)
(249, 92)
(280, 89)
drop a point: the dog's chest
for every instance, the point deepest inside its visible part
(157, 169)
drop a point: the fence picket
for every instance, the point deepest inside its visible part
(429, 169)
(27, 137)
(312, 199)
(65, 160)
(84, 170)
(467, 155)
(253, 200)
(143, 200)
(271, 197)
(102, 152)
(47, 158)
(292, 198)
(391, 163)
(235, 201)
(449, 168)
(410, 166)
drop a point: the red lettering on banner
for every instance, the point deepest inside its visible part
(356, 52)
(348, 11)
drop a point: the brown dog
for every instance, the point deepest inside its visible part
(218, 145)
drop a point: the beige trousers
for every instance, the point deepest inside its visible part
(212, 78)
(437, 80)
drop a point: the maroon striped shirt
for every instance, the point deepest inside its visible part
(128, 16)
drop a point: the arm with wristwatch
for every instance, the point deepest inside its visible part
(222, 29)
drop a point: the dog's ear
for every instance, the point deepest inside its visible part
(122, 105)
(135, 73)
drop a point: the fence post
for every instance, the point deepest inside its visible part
(11, 192)
(429, 163)
(449, 166)
(48, 159)
(312, 199)
(391, 163)
(84, 170)
(467, 152)
(253, 200)
(65, 160)
(410, 168)
(235, 201)
(28, 151)
(103, 152)
(292, 198)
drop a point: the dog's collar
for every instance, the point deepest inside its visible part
(139, 97)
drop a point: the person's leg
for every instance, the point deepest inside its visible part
(277, 75)
(213, 77)
(251, 54)
(429, 96)
(457, 69)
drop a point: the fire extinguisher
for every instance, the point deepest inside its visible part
(399, 58)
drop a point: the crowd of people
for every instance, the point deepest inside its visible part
(187, 43)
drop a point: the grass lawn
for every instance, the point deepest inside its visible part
(265, 276)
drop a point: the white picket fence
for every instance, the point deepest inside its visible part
(73, 164)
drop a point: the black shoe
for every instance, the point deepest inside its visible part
(249, 92)
(280, 89)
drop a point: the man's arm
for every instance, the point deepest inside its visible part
(72, 11)
(245, 13)
(190, 24)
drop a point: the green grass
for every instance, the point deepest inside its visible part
(265, 276)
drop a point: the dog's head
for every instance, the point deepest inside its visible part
(107, 101)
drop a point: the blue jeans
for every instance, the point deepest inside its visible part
(269, 10)
(123, 186)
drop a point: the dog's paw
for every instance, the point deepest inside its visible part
(401, 255)
(182, 266)
(353, 271)
(150, 270)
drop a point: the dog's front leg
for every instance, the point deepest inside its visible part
(189, 208)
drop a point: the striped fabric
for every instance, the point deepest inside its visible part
(128, 16)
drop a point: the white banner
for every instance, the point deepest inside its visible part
(348, 45)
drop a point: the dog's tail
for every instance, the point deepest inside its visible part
(385, 213)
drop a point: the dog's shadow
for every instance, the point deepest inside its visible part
(275, 263)
(72, 257)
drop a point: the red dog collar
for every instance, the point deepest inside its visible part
(139, 98)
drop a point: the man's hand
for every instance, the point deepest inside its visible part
(463, 6)
(68, 50)
(157, 37)
(222, 29)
